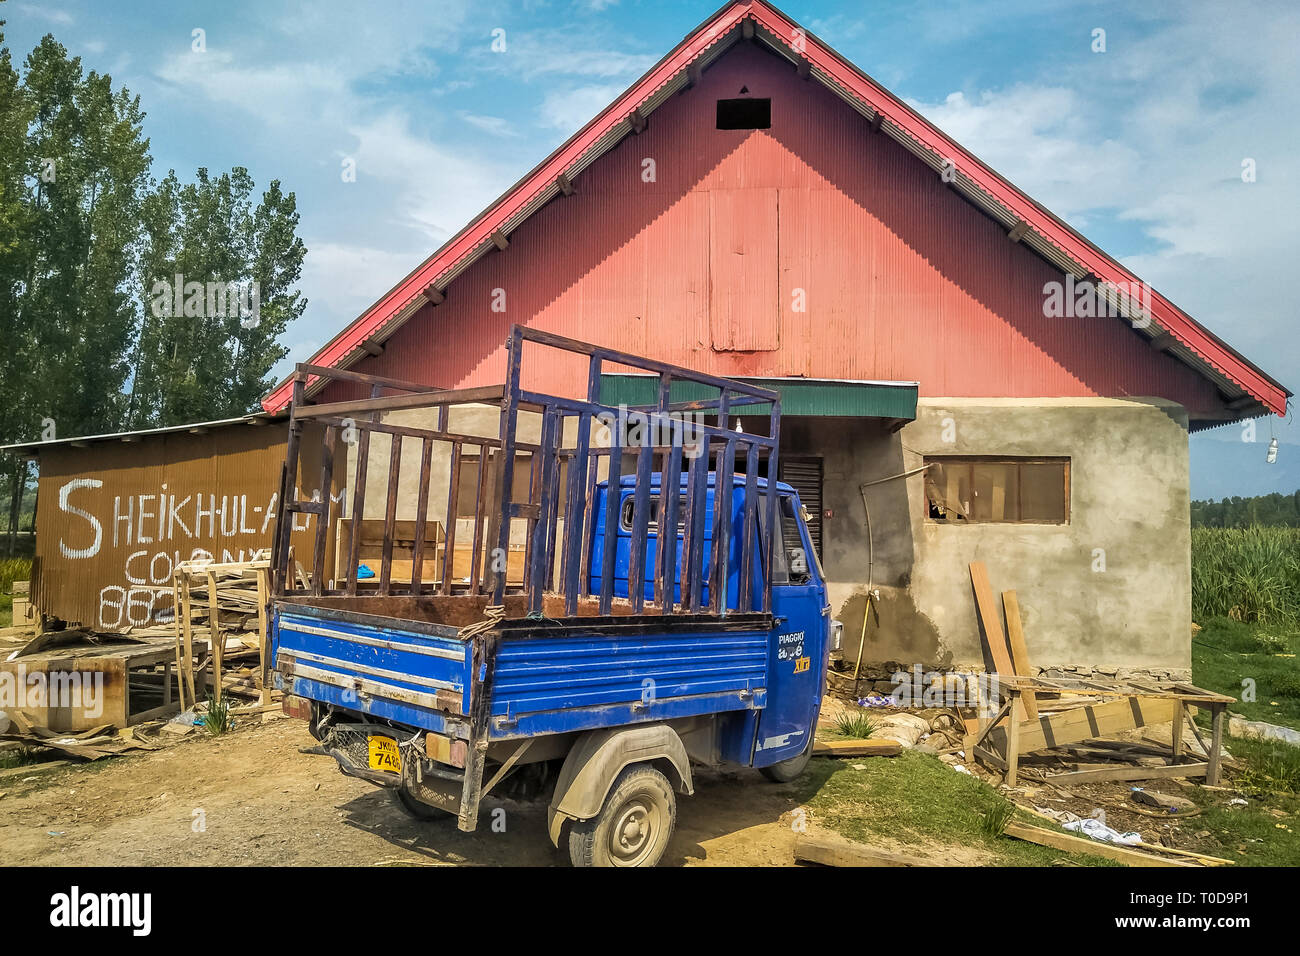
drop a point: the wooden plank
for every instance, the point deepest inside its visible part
(1019, 652)
(487, 394)
(27, 770)
(176, 624)
(263, 632)
(1188, 854)
(988, 618)
(453, 506)
(1013, 740)
(835, 852)
(390, 514)
(1130, 773)
(857, 748)
(1216, 746)
(1074, 844)
(188, 633)
(322, 520)
(1089, 722)
(214, 624)
(984, 728)
(1176, 731)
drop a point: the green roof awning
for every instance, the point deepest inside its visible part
(835, 398)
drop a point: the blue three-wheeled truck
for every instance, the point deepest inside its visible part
(484, 633)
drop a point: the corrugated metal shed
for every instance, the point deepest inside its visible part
(116, 513)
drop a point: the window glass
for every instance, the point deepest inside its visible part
(629, 505)
(993, 490)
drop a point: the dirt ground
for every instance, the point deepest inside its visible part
(252, 798)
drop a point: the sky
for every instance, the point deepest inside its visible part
(1138, 141)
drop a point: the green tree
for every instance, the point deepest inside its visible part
(16, 114)
(80, 304)
(73, 170)
(218, 279)
(85, 236)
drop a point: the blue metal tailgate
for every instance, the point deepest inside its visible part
(578, 678)
(410, 672)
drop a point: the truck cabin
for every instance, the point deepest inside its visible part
(794, 559)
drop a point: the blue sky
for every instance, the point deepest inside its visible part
(1140, 147)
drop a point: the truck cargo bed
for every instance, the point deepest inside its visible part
(394, 658)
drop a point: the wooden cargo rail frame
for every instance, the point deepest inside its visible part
(545, 542)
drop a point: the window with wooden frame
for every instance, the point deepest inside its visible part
(989, 490)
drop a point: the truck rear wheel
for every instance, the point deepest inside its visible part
(634, 824)
(788, 770)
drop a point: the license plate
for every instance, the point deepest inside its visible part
(384, 754)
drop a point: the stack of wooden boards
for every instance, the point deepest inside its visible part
(1036, 714)
(229, 600)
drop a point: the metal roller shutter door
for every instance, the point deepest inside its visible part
(804, 475)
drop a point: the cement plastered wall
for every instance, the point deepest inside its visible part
(1110, 589)
(469, 420)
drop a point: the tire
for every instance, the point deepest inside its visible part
(634, 824)
(789, 769)
(414, 808)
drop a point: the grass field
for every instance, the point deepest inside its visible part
(11, 570)
(916, 799)
(1256, 661)
(1246, 597)
(1247, 574)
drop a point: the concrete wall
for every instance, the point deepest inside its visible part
(1109, 590)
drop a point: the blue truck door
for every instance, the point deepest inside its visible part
(797, 655)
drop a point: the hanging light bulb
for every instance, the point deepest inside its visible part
(740, 427)
(1272, 452)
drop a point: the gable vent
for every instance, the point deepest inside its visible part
(745, 113)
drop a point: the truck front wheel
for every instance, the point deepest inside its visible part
(634, 824)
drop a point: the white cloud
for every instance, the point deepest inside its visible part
(1037, 137)
(573, 51)
(490, 124)
(1153, 133)
(351, 277)
(46, 13)
(570, 110)
(273, 93)
(437, 190)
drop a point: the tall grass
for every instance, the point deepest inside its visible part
(14, 569)
(1248, 574)
(855, 724)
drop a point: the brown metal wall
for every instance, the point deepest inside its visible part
(903, 279)
(95, 567)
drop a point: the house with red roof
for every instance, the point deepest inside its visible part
(964, 377)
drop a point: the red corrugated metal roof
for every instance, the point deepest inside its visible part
(1202, 349)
